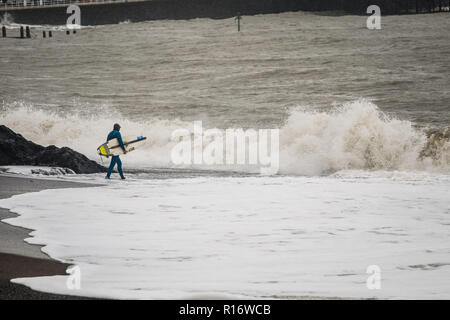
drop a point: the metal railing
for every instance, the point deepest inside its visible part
(42, 3)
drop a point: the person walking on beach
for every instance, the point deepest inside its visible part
(115, 134)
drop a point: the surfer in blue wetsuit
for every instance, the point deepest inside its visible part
(115, 134)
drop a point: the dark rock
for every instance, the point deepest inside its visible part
(16, 150)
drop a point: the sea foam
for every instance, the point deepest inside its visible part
(245, 237)
(354, 136)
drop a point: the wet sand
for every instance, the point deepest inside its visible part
(19, 259)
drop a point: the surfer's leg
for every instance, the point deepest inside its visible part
(119, 167)
(111, 166)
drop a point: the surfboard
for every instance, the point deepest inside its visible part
(112, 147)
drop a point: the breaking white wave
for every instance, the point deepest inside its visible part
(356, 136)
(8, 21)
(84, 133)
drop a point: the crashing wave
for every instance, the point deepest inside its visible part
(355, 136)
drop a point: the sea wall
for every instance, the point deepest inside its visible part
(188, 9)
(155, 10)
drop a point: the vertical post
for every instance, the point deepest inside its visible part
(4, 32)
(27, 31)
(238, 18)
(44, 34)
(21, 32)
(50, 34)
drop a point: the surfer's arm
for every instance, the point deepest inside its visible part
(119, 138)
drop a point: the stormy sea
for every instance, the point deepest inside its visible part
(362, 181)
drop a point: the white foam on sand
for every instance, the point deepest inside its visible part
(36, 170)
(247, 237)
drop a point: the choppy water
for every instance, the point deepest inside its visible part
(204, 69)
(154, 77)
(363, 179)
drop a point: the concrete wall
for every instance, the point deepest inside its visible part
(189, 9)
(160, 9)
